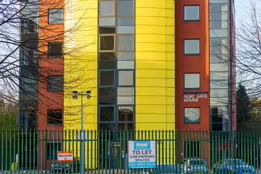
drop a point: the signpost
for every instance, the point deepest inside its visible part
(142, 154)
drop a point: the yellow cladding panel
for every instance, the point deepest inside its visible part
(80, 69)
(155, 65)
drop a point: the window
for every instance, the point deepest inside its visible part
(125, 8)
(218, 7)
(107, 60)
(126, 78)
(219, 93)
(125, 95)
(107, 25)
(107, 43)
(126, 113)
(192, 116)
(191, 47)
(125, 64)
(126, 55)
(52, 149)
(55, 116)
(107, 78)
(55, 84)
(126, 21)
(107, 96)
(107, 8)
(126, 43)
(56, 16)
(191, 13)
(28, 26)
(106, 29)
(192, 81)
(106, 113)
(55, 49)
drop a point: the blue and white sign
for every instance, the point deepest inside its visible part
(142, 154)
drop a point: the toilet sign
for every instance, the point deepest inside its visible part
(142, 154)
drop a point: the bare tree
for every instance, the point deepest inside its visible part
(24, 40)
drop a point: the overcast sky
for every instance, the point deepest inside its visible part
(242, 10)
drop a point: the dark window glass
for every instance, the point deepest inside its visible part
(107, 64)
(56, 16)
(107, 43)
(55, 83)
(55, 116)
(126, 113)
(52, 149)
(107, 127)
(107, 96)
(107, 78)
(55, 49)
(126, 126)
(107, 56)
(216, 116)
(217, 127)
(106, 30)
(28, 26)
(106, 113)
(107, 61)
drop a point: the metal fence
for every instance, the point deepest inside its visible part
(106, 151)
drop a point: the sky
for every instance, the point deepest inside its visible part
(242, 10)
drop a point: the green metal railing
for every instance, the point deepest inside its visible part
(107, 152)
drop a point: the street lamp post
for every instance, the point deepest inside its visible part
(75, 96)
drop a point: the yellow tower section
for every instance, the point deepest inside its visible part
(155, 65)
(155, 73)
(80, 74)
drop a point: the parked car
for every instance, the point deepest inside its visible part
(237, 166)
(72, 167)
(193, 166)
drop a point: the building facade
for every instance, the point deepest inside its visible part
(148, 65)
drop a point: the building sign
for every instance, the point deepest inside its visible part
(65, 157)
(142, 154)
(191, 97)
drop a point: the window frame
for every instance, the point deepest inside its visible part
(50, 9)
(114, 113)
(114, 44)
(114, 80)
(118, 113)
(48, 90)
(62, 51)
(125, 70)
(187, 88)
(198, 108)
(191, 20)
(192, 54)
(59, 124)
